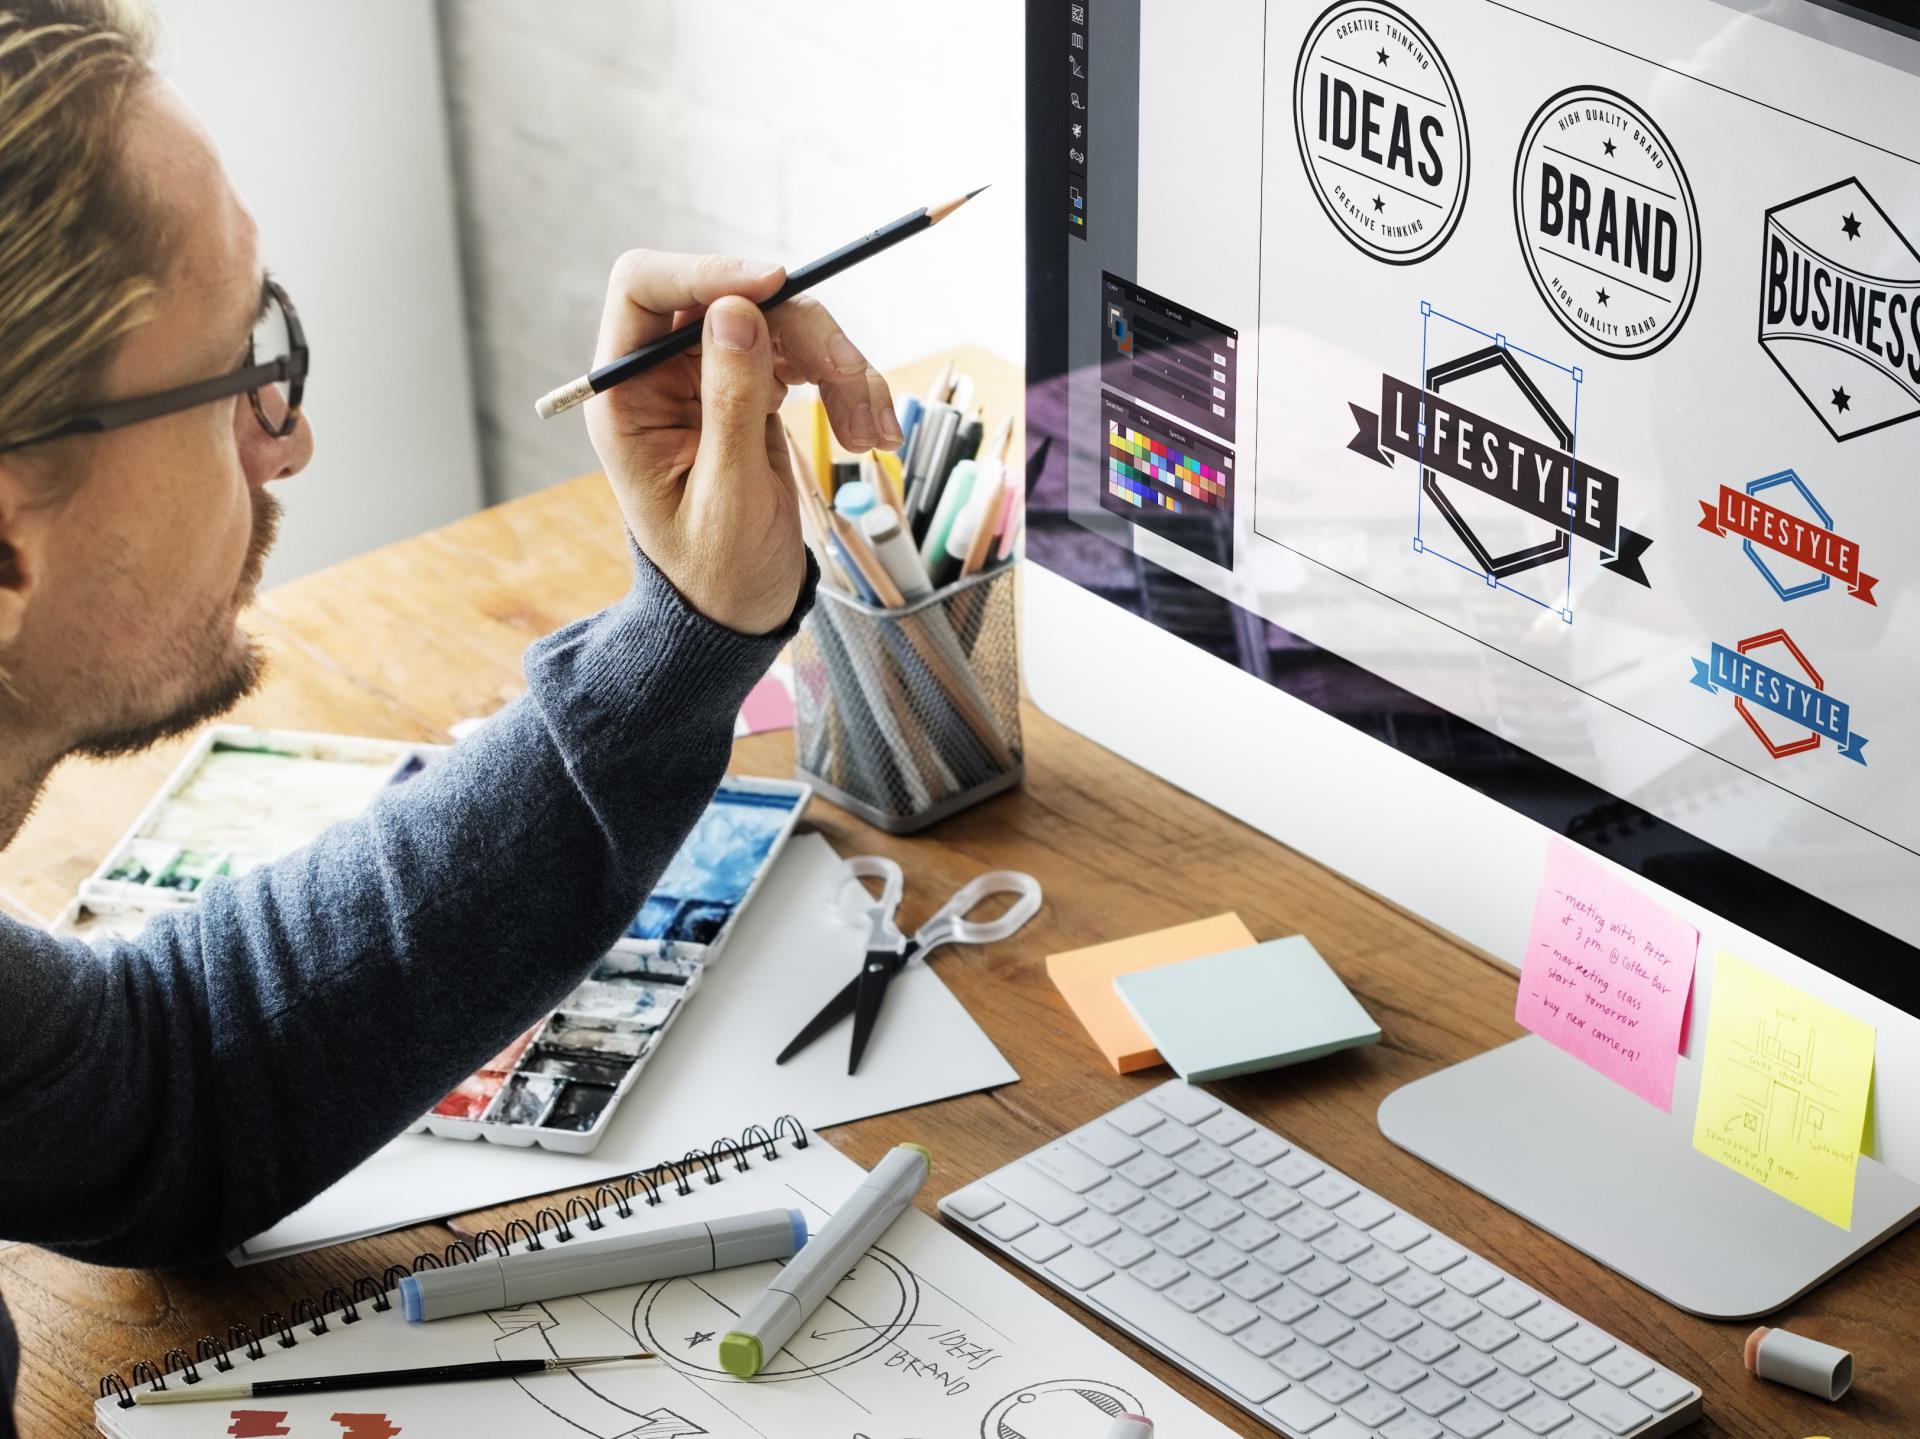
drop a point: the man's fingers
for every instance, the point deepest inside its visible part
(736, 388)
(814, 347)
(648, 287)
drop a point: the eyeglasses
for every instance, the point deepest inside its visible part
(272, 385)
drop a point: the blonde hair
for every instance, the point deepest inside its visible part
(80, 253)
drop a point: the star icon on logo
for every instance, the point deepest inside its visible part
(1851, 227)
(1841, 399)
(1604, 296)
(697, 1338)
(1383, 57)
(1607, 149)
(1378, 204)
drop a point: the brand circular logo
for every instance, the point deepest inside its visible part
(1607, 222)
(1382, 133)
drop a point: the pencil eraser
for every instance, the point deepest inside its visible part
(740, 1355)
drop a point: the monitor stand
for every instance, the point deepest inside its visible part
(1537, 1131)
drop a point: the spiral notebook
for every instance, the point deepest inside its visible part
(925, 1335)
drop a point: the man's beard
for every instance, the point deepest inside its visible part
(221, 690)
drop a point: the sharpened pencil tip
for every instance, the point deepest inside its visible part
(937, 213)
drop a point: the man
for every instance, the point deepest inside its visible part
(155, 1096)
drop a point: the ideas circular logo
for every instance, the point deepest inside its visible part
(1607, 222)
(1382, 133)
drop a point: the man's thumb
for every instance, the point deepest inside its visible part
(736, 384)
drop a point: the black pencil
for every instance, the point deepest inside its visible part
(578, 392)
(372, 1379)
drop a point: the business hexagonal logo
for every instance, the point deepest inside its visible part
(1381, 130)
(1840, 309)
(1499, 466)
(1782, 697)
(1788, 536)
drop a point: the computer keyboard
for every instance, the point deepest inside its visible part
(1317, 1306)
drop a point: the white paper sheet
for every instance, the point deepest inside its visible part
(926, 1336)
(713, 1076)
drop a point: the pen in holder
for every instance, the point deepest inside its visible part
(907, 715)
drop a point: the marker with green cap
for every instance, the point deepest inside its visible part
(803, 1285)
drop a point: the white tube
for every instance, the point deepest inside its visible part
(1802, 1363)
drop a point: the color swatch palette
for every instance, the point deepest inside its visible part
(1148, 468)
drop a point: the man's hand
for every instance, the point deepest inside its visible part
(694, 447)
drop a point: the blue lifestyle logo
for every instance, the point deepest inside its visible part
(1801, 700)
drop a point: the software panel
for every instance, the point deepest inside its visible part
(1536, 384)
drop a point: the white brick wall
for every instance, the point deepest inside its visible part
(763, 127)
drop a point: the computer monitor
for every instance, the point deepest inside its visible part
(1645, 580)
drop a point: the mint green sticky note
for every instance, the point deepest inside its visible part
(1246, 1009)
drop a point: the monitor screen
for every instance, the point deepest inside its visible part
(1531, 384)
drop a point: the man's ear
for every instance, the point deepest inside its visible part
(22, 549)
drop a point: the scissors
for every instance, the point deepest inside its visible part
(888, 950)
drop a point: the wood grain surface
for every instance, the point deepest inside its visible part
(405, 641)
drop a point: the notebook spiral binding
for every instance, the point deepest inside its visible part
(550, 1225)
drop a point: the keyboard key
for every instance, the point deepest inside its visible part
(974, 1202)
(1486, 1333)
(1271, 1200)
(1575, 1428)
(1124, 1250)
(1584, 1344)
(1413, 1288)
(1300, 1361)
(1041, 1243)
(1288, 1304)
(1526, 1355)
(1359, 1349)
(1238, 1180)
(1294, 1169)
(1410, 1426)
(1192, 1293)
(1228, 1315)
(1322, 1327)
(1541, 1415)
(1104, 1144)
(1466, 1367)
(1068, 1167)
(1546, 1321)
(1089, 1228)
(1203, 1157)
(1149, 1216)
(1300, 1411)
(1329, 1189)
(1373, 1407)
(1623, 1368)
(1341, 1427)
(1249, 1232)
(1450, 1310)
(1356, 1298)
(1563, 1378)
(1434, 1254)
(1510, 1300)
(1470, 1419)
(1319, 1276)
(1038, 1194)
(1263, 1337)
(1167, 1140)
(1363, 1211)
(1399, 1233)
(1429, 1345)
(1433, 1395)
(1342, 1243)
(1392, 1321)
(1180, 1190)
(1079, 1268)
(1504, 1390)
(1214, 1211)
(1217, 1260)
(1183, 1102)
(1113, 1196)
(1182, 1238)
(1473, 1277)
(1396, 1373)
(1252, 1282)
(1285, 1254)
(1145, 1170)
(1250, 1378)
(1157, 1271)
(1307, 1223)
(1336, 1384)
(1226, 1127)
(1259, 1148)
(1008, 1222)
(1610, 1409)
(1136, 1118)
(1661, 1390)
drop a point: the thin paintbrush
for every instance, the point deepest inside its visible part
(374, 1379)
(578, 392)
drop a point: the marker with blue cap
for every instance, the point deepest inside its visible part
(581, 1266)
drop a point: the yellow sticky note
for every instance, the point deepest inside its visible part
(1085, 978)
(1783, 1089)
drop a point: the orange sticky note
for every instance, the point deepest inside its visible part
(1085, 978)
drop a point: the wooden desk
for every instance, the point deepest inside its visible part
(406, 640)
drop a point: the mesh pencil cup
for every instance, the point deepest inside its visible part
(906, 716)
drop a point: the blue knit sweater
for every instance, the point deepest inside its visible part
(165, 1098)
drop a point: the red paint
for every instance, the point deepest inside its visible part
(365, 1426)
(257, 1423)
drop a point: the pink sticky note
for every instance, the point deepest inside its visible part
(769, 705)
(1607, 974)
